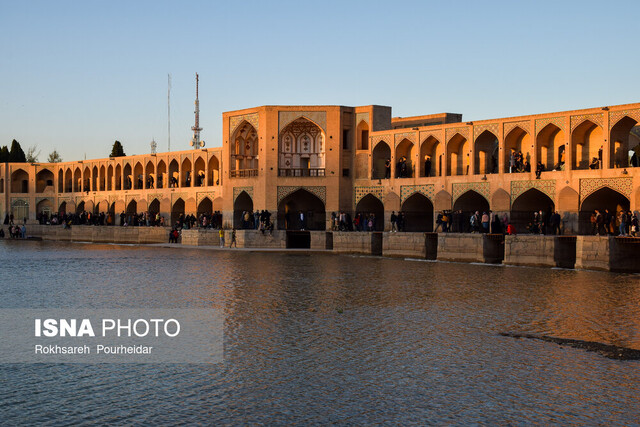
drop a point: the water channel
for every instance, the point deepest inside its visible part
(323, 338)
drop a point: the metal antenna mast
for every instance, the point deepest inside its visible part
(196, 142)
(169, 112)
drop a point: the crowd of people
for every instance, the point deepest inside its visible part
(624, 223)
(258, 220)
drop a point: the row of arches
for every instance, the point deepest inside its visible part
(109, 178)
(461, 156)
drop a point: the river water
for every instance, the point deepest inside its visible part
(321, 338)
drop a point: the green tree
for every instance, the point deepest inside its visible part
(54, 157)
(16, 155)
(4, 154)
(117, 150)
(32, 154)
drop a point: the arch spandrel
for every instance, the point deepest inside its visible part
(361, 191)
(589, 186)
(238, 190)
(235, 121)
(546, 186)
(318, 191)
(578, 120)
(319, 118)
(482, 188)
(616, 116)
(427, 190)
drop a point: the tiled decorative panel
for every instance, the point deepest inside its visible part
(558, 121)
(176, 196)
(235, 121)
(615, 116)
(375, 190)
(377, 138)
(482, 188)
(410, 136)
(547, 186)
(525, 125)
(450, 132)
(318, 117)
(577, 120)
(319, 191)
(589, 186)
(437, 134)
(491, 127)
(130, 197)
(363, 116)
(238, 190)
(407, 191)
(200, 196)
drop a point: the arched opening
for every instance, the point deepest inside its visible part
(301, 201)
(80, 208)
(44, 209)
(244, 151)
(187, 175)
(85, 185)
(138, 176)
(586, 146)
(94, 179)
(132, 208)
(68, 181)
(20, 210)
(44, 181)
(518, 151)
(362, 131)
(205, 207)
(174, 175)
(110, 178)
(149, 176)
(242, 204)
(466, 205)
(103, 179)
(623, 144)
(198, 172)
(60, 181)
(418, 213)
(371, 207)
(301, 149)
(431, 157)
(609, 203)
(62, 209)
(119, 180)
(486, 153)
(127, 176)
(381, 153)
(404, 159)
(458, 156)
(524, 208)
(154, 208)
(548, 144)
(161, 175)
(214, 171)
(20, 181)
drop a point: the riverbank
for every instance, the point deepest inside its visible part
(605, 253)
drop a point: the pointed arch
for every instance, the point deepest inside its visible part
(458, 154)
(381, 152)
(174, 174)
(362, 133)
(199, 172)
(606, 200)
(85, 185)
(550, 147)
(621, 142)
(243, 151)
(431, 157)
(213, 177)
(110, 178)
(77, 180)
(243, 203)
(404, 153)
(301, 201)
(187, 174)
(127, 176)
(418, 213)
(44, 181)
(525, 206)
(150, 178)
(204, 207)
(371, 207)
(517, 140)
(60, 181)
(301, 149)
(586, 145)
(486, 153)
(161, 175)
(68, 181)
(102, 184)
(467, 204)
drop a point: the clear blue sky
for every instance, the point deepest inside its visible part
(78, 75)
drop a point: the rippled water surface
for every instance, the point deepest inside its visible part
(321, 338)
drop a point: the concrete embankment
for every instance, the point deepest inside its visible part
(605, 253)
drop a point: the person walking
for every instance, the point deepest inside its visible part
(221, 235)
(233, 238)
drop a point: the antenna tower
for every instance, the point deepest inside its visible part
(195, 141)
(168, 112)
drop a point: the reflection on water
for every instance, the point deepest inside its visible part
(326, 338)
